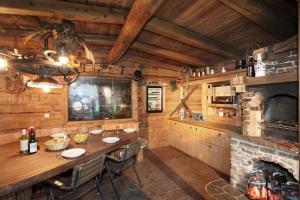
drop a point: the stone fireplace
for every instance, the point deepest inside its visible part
(270, 138)
(271, 111)
(246, 153)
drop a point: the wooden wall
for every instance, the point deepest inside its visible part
(18, 111)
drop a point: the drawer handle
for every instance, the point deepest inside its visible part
(219, 134)
(190, 127)
(209, 146)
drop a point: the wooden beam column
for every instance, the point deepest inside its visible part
(139, 15)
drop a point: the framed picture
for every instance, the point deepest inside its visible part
(154, 99)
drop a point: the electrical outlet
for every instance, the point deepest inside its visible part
(46, 115)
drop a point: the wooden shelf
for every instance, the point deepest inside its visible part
(219, 75)
(220, 105)
(272, 79)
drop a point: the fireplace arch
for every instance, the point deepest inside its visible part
(281, 107)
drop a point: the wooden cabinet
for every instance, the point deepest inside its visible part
(208, 145)
(187, 145)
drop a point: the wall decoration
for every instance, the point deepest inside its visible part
(154, 99)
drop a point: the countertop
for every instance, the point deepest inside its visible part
(232, 129)
(236, 132)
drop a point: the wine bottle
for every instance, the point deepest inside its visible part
(24, 142)
(251, 71)
(32, 142)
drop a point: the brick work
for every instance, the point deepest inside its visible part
(244, 154)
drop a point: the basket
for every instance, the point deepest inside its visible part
(80, 138)
(57, 144)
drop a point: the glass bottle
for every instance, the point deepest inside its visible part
(32, 142)
(24, 142)
(212, 70)
(260, 66)
(251, 71)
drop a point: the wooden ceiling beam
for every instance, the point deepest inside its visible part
(81, 12)
(142, 60)
(191, 38)
(139, 15)
(263, 15)
(60, 9)
(153, 50)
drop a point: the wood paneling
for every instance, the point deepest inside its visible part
(53, 8)
(270, 18)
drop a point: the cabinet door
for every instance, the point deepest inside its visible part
(187, 145)
(200, 140)
(220, 158)
(219, 138)
(173, 134)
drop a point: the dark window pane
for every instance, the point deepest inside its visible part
(92, 98)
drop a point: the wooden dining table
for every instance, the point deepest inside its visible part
(20, 172)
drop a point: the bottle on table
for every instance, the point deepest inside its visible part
(32, 142)
(24, 142)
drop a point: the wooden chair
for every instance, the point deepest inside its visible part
(124, 157)
(81, 175)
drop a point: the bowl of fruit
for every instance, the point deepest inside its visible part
(81, 138)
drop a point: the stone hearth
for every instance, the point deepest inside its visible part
(245, 153)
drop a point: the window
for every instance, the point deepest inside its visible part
(93, 98)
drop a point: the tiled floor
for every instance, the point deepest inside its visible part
(169, 174)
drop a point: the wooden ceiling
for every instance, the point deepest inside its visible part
(162, 33)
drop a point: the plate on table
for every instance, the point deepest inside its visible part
(129, 130)
(110, 140)
(96, 132)
(58, 135)
(73, 153)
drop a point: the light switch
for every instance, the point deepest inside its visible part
(46, 115)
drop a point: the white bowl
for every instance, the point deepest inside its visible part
(110, 140)
(73, 153)
(129, 130)
(58, 135)
(96, 132)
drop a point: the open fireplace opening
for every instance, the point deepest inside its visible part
(281, 117)
(270, 181)
(278, 106)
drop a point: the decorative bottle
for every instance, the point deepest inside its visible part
(32, 142)
(24, 142)
(260, 66)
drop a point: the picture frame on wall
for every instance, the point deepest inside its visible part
(154, 99)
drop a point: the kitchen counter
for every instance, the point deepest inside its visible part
(231, 129)
(236, 132)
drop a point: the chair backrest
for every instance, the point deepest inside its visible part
(131, 150)
(87, 171)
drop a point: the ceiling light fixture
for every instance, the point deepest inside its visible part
(44, 82)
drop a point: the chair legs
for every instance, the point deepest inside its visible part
(98, 182)
(112, 181)
(137, 175)
(50, 193)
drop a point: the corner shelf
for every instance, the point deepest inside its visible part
(272, 79)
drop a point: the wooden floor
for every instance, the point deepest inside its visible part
(169, 174)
